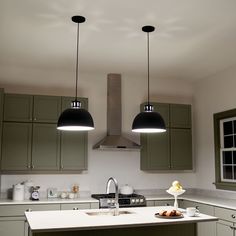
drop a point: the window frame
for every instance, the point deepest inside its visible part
(219, 182)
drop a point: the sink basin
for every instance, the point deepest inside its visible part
(108, 213)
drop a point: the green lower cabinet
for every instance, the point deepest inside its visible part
(10, 226)
(16, 146)
(73, 151)
(181, 149)
(45, 147)
(225, 228)
(204, 228)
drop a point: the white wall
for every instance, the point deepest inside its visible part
(212, 95)
(103, 164)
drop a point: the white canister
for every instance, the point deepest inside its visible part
(27, 189)
(18, 192)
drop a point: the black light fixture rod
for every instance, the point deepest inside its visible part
(77, 64)
(148, 66)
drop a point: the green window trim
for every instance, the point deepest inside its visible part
(217, 138)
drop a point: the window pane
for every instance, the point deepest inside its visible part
(227, 157)
(228, 127)
(234, 157)
(228, 141)
(227, 172)
(234, 172)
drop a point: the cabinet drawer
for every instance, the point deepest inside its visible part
(164, 203)
(18, 210)
(225, 214)
(75, 206)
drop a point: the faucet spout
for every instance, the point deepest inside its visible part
(116, 204)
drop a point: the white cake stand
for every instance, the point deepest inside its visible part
(175, 194)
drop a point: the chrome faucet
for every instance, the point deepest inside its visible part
(116, 204)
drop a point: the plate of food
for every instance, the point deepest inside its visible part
(169, 214)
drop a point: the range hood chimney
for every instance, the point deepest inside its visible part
(114, 139)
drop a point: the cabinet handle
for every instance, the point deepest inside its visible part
(75, 208)
(32, 166)
(35, 118)
(28, 210)
(233, 216)
(197, 207)
(167, 204)
(232, 227)
(62, 166)
(28, 166)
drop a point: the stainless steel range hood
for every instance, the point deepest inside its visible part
(114, 139)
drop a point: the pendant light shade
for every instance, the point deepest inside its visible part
(76, 118)
(148, 121)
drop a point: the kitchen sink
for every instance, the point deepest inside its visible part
(108, 213)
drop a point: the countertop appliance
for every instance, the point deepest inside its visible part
(133, 200)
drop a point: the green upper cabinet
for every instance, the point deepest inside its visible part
(155, 149)
(16, 146)
(31, 142)
(74, 144)
(73, 151)
(171, 150)
(180, 116)
(181, 149)
(46, 108)
(18, 107)
(45, 147)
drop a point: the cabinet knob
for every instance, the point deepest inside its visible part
(28, 210)
(167, 204)
(28, 166)
(233, 216)
(62, 166)
(35, 118)
(197, 207)
(75, 208)
(32, 166)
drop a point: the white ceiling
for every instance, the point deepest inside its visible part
(193, 38)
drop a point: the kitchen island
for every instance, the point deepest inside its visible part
(139, 221)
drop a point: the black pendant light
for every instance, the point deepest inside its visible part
(76, 118)
(148, 121)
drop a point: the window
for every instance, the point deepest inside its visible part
(228, 149)
(225, 149)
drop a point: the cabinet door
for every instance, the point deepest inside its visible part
(181, 149)
(164, 203)
(180, 116)
(155, 154)
(16, 146)
(18, 107)
(224, 228)
(45, 147)
(74, 145)
(10, 227)
(204, 228)
(74, 151)
(46, 108)
(75, 206)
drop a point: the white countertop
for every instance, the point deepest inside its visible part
(49, 201)
(214, 201)
(79, 220)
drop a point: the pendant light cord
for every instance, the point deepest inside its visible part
(148, 66)
(77, 64)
